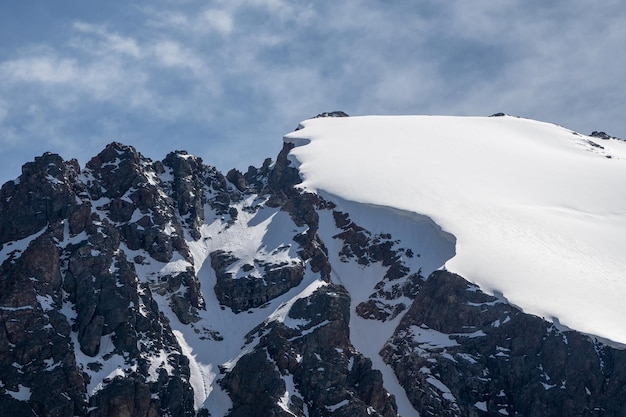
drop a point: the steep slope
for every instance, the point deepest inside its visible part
(163, 288)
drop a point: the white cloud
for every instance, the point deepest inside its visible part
(39, 69)
(100, 79)
(106, 42)
(172, 54)
(200, 22)
(166, 19)
(219, 20)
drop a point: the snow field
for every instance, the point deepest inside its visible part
(538, 211)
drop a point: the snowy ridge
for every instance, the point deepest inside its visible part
(538, 211)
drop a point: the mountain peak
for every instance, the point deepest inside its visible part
(140, 287)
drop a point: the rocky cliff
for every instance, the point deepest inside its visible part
(134, 287)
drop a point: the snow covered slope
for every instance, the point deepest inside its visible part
(538, 211)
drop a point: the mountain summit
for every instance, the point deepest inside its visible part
(380, 266)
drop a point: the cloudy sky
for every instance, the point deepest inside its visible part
(225, 79)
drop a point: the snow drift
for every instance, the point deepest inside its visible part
(538, 211)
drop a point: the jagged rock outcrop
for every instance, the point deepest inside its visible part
(75, 289)
(42, 195)
(247, 292)
(128, 185)
(35, 342)
(302, 207)
(306, 365)
(482, 356)
(603, 135)
(336, 113)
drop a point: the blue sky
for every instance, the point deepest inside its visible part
(225, 79)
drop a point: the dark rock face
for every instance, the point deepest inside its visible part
(43, 194)
(310, 349)
(336, 113)
(481, 356)
(192, 185)
(128, 185)
(74, 280)
(124, 397)
(241, 294)
(603, 135)
(28, 316)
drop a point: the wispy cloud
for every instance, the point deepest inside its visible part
(173, 54)
(40, 69)
(219, 20)
(104, 42)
